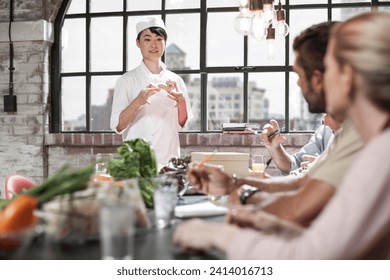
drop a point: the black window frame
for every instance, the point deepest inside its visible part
(203, 71)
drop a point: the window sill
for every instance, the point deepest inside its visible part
(186, 139)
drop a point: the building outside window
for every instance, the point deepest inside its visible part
(228, 76)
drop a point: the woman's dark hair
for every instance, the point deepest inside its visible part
(156, 30)
(311, 46)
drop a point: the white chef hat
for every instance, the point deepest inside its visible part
(149, 22)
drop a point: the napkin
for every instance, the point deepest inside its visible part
(202, 209)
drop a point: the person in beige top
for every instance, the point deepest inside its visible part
(356, 222)
(294, 198)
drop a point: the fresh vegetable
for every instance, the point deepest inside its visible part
(15, 222)
(137, 161)
(102, 177)
(19, 214)
(66, 181)
(15, 184)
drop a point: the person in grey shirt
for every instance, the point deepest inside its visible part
(315, 147)
(307, 154)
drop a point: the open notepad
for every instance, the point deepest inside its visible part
(202, 209)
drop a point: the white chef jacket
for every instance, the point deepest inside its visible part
(156, 122)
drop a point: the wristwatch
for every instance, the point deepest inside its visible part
(247, 192)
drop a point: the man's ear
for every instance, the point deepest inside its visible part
(317, 80)
(137, 42)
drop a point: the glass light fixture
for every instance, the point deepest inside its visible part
(282, 28)
(269, 13)
(258, 26)
(256, 15)
(270, 42)
(243, 23)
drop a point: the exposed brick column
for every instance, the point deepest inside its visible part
(22, 133)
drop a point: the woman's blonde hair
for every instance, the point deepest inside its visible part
(363, 42)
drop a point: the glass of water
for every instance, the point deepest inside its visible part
(102, 161)
(165, 199)
(116, 222)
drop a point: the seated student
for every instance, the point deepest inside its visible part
(356, 222)
(308, 153)
(312, 189)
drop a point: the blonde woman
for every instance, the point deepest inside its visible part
(356, 222)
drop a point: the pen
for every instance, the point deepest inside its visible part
(273, 134)
(205, 159)
(267, 163)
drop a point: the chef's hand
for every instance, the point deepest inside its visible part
(210, 179)
(173, 92)
(176, 96)
(143, 96)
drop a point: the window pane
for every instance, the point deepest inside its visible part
(137, 5)
(225, 47)
(76, 7)
(297, 25)
(300, 117)
(73, 103)
(102, 90)
(182, 47)
(350, 1)
(106, 44)
(193, 87)
(224, 100)
(106, 6)
(134, 56)
(266, 97)
(295, 2)
(341, 14)
(223, 3)
(266, 52)
(73, 45)
(182, 4)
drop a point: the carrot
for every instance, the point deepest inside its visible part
(19, 214)
(102, 177)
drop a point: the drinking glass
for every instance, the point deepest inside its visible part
(165, 199)
(258, 164)
(116, 222)
(102, 161)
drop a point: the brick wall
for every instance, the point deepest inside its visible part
(80, 149)
(26, 147)
(22, 134)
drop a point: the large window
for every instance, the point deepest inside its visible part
(229, 77)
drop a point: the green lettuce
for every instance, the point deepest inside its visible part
(138, 160)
